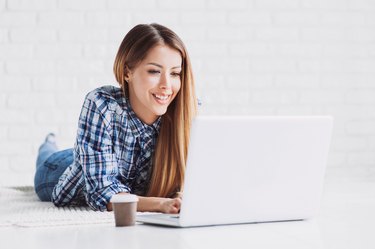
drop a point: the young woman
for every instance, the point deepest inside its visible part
(132, 139)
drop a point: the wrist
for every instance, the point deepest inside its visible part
(109, 206)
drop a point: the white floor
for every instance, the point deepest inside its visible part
(346, 220)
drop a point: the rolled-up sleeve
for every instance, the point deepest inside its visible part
(94, 151)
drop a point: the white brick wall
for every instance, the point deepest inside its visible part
(257, 57)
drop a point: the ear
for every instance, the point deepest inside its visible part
(127, 74)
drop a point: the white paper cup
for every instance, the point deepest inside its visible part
(125, 209)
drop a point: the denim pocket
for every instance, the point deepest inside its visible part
(60, 159)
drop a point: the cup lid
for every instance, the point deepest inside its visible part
(124, 198)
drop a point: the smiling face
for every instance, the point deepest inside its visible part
(154, 83)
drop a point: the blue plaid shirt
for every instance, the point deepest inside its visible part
(112, 154)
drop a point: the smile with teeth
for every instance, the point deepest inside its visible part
(161, 97)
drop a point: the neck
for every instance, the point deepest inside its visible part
(140, 112)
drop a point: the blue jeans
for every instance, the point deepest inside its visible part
(50, 165)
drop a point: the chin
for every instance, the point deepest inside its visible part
(160, 112)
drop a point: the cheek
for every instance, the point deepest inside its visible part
(145, 82)
(176, 86)
(151, 81)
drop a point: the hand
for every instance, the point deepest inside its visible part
(159, 204)
(179, 195)
(170, 206)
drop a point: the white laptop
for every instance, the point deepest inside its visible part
(252, 169)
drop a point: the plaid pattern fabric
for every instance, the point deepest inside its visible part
(112, 153)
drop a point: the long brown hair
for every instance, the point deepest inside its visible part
(170, 154)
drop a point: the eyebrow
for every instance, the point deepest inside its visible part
(158, 65)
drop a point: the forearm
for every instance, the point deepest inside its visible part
(145, 204)
(149, 204)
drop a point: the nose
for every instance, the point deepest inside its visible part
(165, 81)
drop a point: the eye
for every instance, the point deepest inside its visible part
(152, 71)
(176, 74)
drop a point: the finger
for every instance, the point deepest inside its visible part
(179, 201)
(177, 204)
(173, 210)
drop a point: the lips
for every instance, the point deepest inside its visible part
(161, 98)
